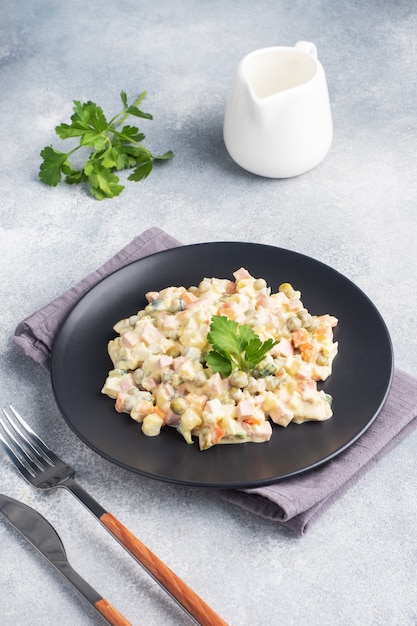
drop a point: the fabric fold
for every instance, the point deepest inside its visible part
(298, 501)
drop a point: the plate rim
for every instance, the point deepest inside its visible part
(234, 484)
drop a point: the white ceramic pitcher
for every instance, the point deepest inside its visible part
(278, 120)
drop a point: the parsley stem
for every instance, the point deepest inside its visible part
(125, 112)
(68, 154)
(113, 119)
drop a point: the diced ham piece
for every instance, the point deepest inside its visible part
(263, 302)
(129, 339)
(280, 298)
(241, 274)
(215, 384)
(169, 322)
(295, 304)
(213, 406)
(177, 362)
(284, 347)
(149, 334)
(171, 418)
(149, 384)
(164, 361)
(281, 415)
(245, 408)
(126, 382)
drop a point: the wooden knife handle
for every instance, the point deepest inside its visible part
(162, 573)
(111, 614)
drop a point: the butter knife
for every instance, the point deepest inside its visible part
(39, 532)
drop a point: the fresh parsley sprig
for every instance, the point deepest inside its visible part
(112, 145)
(235, 346)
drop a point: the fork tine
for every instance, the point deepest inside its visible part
(23, 469)
(36, 462)
(30, 438)
(22, 446)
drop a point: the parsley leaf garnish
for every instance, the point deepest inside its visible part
(234, 346)
(112, 145)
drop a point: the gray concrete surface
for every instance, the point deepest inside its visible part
(356, 212)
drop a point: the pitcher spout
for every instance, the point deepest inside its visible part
(259, 108)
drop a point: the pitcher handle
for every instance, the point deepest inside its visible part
(307, 46)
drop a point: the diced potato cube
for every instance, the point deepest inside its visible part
(151, 425)
(190, 419)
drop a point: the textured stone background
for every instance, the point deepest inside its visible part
(356, 212)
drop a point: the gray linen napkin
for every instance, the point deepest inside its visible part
(297, 502)
(294, 502)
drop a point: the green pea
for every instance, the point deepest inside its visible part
(239, 379)
(178, 405)
(293, 323)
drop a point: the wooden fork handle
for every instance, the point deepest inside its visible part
(162, 573)
(111, 614)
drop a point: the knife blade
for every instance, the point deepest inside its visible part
(42, 536)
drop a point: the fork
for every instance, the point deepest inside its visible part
(43, 469)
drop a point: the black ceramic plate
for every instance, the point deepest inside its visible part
(359, 384)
